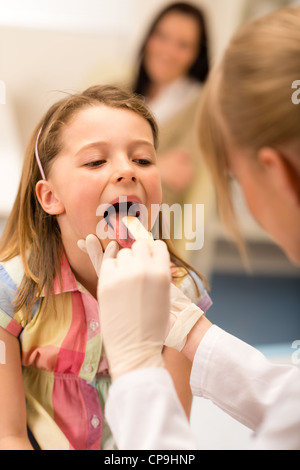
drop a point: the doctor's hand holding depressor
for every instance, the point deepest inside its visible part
(135, 274)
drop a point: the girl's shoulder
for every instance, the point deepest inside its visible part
(12, 272)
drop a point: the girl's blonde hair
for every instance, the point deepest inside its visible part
(32, 233)
(248, 99)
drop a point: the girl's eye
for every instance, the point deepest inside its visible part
(143, 161)
(95, 164)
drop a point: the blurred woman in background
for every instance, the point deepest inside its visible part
(173, 66)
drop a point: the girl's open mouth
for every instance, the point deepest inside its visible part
(113, 216)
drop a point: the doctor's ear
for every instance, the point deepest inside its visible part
(280, 172)
(47, 198)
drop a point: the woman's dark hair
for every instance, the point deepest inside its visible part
(200, 69)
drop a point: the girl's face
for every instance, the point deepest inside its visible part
(271, 196)
(172, 48)
(107, 153)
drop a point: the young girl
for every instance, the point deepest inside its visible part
(89, 149)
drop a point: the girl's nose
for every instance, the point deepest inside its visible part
(124, 172)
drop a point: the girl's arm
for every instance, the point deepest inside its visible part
(13, 429)
(179, 368)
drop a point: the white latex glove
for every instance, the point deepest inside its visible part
(134, 299)
(184, 314)
(92, 246)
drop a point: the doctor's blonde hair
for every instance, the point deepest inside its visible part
(30, 232)
(248, 99)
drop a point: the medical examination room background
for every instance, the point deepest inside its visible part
(49, 46)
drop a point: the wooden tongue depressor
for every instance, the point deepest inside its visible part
(137, 229)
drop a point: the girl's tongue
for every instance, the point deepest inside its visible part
(118, 230)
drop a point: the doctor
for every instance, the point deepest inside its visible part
(250, 128)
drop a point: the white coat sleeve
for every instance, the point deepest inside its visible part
(144, 413)
(240, 380)
(143, 410)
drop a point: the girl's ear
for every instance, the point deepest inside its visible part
(281, 173)
(48, 200)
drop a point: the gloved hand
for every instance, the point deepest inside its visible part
(92, 246)
(134, 300)
(184, 314)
